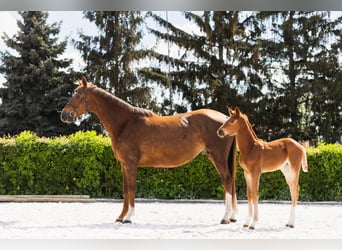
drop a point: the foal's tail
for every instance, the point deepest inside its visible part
(304, 161)
(232, 167)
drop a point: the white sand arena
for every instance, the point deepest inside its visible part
(161, 220)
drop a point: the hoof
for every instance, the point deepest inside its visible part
(245, 225)
(233, 220)
(126, 222)
(118, 220)
(225, 221)
(290, 226)
(251, 228)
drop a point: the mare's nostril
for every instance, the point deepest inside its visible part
(67, 117)
(220, 133)
(63, 116)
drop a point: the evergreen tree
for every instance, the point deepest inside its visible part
(110, 56)
(325, 88)
(281, 68)
(37, 85)
(298, 50)
(215, 65)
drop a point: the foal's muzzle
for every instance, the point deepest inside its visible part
(68, 117)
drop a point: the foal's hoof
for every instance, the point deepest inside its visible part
(126, 222)
(233, 220)
(119, 220)
(251, 228)
(245, 225)
(223, 221)
(290, 226)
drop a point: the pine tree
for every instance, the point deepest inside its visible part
(111, 55)
(214, 66)
(37, 85)
(325, 87)
(298, 50)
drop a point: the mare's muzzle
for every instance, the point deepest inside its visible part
(221, 133)
(68, 117)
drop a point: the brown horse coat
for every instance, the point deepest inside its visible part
(141, 138)
(257, 157)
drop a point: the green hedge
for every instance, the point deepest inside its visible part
(83, 163)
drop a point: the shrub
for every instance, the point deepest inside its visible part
(83, 163)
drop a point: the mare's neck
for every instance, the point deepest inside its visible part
(246, 137)
(112, 112)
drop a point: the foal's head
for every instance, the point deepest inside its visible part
(232, 125)
(78, 104)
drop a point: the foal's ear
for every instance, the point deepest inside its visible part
(84, 81)
(237, 111)
(230, 111)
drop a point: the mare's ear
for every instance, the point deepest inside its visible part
(237, 111)
(84, 81)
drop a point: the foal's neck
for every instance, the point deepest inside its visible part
(246, 137)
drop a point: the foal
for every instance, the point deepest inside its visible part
(257, 157)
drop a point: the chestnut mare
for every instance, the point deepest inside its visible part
(257, 157)
(141, 138)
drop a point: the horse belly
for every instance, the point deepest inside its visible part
(273, 160)
(169, 155)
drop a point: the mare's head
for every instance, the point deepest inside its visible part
(232, 125)
(78, 104)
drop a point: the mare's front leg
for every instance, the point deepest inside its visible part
(125, 196)
(130, 174)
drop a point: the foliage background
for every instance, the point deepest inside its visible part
(83, 163)
(282, 68)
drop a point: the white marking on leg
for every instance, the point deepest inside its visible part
(130, 213)
(292, 216)
(235, 209)
(255, 214)
(250, 205)
(250, 214)
(229, 207)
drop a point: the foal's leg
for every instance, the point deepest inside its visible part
(292, 178)
(255, 194)
(252, 183)
(249, 198)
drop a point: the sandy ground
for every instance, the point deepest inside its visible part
(159, 220)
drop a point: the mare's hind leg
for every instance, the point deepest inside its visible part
(292, 179)
(228, 182)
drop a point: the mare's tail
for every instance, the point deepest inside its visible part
(232, 167)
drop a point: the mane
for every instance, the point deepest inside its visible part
(119, 102)
(249, 125)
